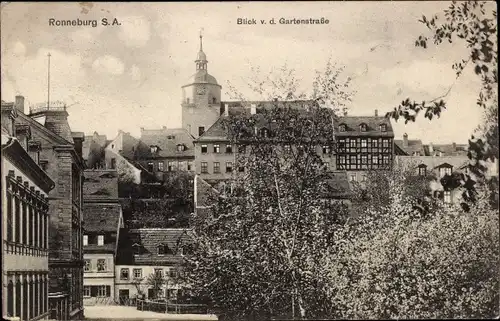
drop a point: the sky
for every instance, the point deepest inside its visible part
(130, 75)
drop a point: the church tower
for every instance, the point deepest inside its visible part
(200, 98)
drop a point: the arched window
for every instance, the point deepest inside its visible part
(363, 127)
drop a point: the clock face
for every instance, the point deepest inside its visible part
(201, 90)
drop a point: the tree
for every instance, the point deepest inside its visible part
(374, 192)
(395, 264)
(156, 281)
(258, 253)
(472, 23)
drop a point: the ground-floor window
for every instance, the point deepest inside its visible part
(86, 291)
(100, 291)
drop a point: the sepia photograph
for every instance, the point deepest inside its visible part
(247, 161)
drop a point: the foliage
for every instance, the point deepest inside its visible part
(474, 24)
(374, 193)
(258, 254)
(156, 281)
(393, 264)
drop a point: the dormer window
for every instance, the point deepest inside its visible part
(154, 149)
(180, 147)
(342, 128)
(383, 127)
(164, 249)
(136, 248)
(264, 133)
(445, 170)
(422, 170)
(363, 127)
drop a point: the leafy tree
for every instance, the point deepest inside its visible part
(156, 281)
(259, 252)
(394, 264)
(374, 192)
(474, 24)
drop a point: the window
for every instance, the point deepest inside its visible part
(86, 291)
(124, 274)
(422, 170)
(375, 143)
(113, 163)
(364, 159)
(216, 148)
(172, 273)
(342, 159)
(386, 159)
(204, 167)
(447, 197)
(204, 149)
(383, 127)
(159, 272)
(385, 143)
(190, 165)
(180, 147)
(342, 128)
(214, 100)
(326, 149)
(374, 159)
(353, 159)
(444, 171)
(88, 266)
(103, 290)
(172, 166)
(363, 143)
(154, 149)
(100, 240)
(137, 273)
(163, 249)
(362, 127)
(101, 265)
(151, 167)
(229, 167)
(326, 166)
(216, 167)
(229, 148)
(353, 177)
(85, 240)
(160, 166)
(201, 130)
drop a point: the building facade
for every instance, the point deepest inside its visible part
(103, 219)
(25, 217)
(58, 150)
(143, 253)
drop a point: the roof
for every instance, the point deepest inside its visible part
(217, 132)
(167, 141)
(414, 146)
(19, 157)
(433, 162)
(93, 142)
(202, 77)
(100, 184)
(203, 193)
(353, 126)
(101, 217)
(447, 149)
(146, 242)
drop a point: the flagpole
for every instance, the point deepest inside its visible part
(48, 83)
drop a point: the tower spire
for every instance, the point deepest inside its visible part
(201, 59)
(201, 39)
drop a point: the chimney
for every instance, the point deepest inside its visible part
(226, 110)
(431, 149)
(253, 109)
(376, 112)
(405, 140)
(20, 104)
